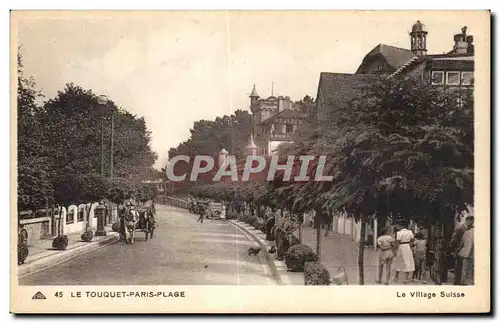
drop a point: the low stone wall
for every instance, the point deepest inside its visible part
(172, 201)
(38, 229)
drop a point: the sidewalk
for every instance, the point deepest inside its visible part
(338, 251)
(42, 256)
(341, 250)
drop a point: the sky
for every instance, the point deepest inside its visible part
(177, 67)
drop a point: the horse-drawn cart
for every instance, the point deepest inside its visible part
(140, 219)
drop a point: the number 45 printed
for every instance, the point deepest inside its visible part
(58, 294)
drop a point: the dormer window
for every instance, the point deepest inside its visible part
(437, 77)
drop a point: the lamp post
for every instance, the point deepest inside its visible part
(101, 210)
(102, 100)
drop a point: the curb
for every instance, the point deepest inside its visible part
(52, 260)
(264, 246)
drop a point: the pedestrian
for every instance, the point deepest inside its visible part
(202, 213)
(466, 253)
(385, 244)
(456, 245)
(403, 262)
(223, 213)
(419, 252)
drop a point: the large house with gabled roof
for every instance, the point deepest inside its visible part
(454, 68)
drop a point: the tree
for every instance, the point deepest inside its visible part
(72, 132)
(34, 188)
(208, 137)
(406, 148)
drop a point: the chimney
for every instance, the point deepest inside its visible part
(281, 105)
(462, 42)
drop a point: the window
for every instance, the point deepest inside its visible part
(80, 214)
(453, 78)
(467, 78)
(289, 128)
(437, 77)
(70, 217)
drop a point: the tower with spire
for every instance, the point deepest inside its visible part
(254, 100)
(418, 38)
(273, 121)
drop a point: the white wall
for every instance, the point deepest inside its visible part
(76, 226)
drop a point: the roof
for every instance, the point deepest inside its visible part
(394, 56)
(418, 27)
(450, 57)
(254, 92)
(287, 113)
(339, 89)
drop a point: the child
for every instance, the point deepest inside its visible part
(420, 249)
(385, 245)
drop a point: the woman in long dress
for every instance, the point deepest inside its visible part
(404, 262)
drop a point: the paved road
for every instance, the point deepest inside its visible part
(182, 252)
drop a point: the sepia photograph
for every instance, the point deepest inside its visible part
(160, 153)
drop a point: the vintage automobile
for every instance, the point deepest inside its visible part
(214, 210)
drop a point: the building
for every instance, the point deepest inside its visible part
(275, 119)
(454, 68)
(158, 184)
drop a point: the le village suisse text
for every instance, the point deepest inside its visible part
(430, 295)
(125, 294)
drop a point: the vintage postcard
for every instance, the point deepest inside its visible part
(250, 162)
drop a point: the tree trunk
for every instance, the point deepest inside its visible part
(361, 252)
(53, 217)
(59, 229)
(319, 239)
(301, 222)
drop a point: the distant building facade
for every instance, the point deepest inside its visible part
(274, 119)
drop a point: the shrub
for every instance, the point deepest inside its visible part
(60, 242)
(116, 226)
(260, 224)
(297, 256)
(316, 274)
(22, 253)
(87, 236)
(232, 215)
(242, 217)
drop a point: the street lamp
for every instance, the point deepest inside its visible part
(102, 100)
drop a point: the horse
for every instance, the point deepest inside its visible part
(129, 220)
